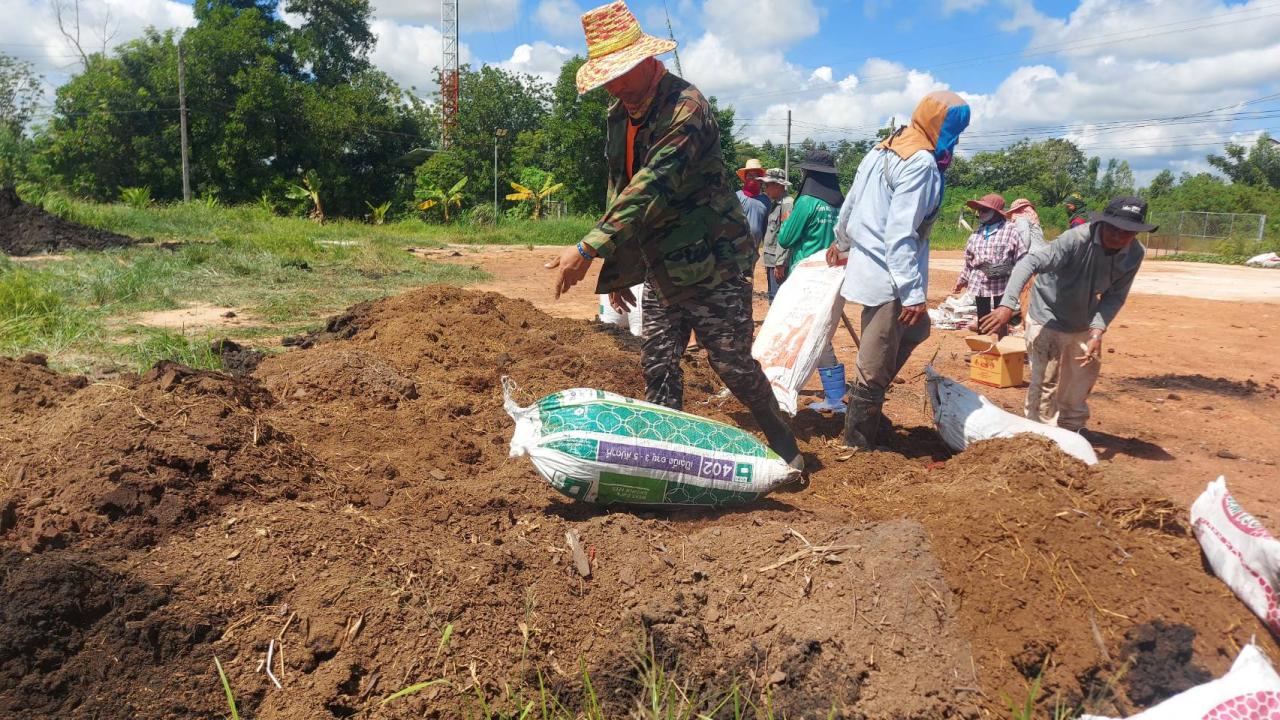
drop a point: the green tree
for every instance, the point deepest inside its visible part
(1161, 185)
(1117, 180)
(496, 99)
(1257, 165)
(570, 141)
(257, 119)
(335, 37)
(114, 125)
(20, 92)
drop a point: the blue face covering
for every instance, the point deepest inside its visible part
(956, 121)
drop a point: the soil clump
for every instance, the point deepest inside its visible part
(26, 229)
(351, 508)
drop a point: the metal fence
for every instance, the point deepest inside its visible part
(1206, 232)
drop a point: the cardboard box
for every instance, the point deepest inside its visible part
(998, 364)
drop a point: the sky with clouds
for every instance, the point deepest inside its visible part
(1159, 83)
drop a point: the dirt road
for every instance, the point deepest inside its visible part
(1189, 386)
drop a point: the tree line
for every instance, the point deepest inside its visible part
(299, 120)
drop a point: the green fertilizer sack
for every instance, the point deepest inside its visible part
(603, 448)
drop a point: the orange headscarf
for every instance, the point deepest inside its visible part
(935, 126)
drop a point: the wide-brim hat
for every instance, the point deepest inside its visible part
(1125, 213)
(776, 176)
(821, 161)
(1019, 204)
(752, 164)
(615, 44)
(992, 201)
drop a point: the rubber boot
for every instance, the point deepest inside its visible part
(778, 433)
(834, 388)
(862, 419)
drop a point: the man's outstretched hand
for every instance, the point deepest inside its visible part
(573, 267)
(996, 320)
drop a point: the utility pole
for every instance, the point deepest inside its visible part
(498, 133)
(786, 151)
(182, 124)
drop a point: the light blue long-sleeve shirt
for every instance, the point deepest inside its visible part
(757, 213)
(884, 224)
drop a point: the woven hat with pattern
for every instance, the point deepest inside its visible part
(615, 44)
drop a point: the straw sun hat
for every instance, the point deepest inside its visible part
(615, 44)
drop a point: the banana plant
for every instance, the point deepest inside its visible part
(444, 199)
(309, 190)
(537, 198)
(378, 213)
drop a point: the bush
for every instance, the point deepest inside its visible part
(136, 197)
(480, 216)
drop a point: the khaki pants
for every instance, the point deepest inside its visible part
(1059, 389)
(886, 345)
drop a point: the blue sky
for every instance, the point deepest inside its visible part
(1090, 71)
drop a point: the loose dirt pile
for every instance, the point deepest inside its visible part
(350, 510)
(26, 229)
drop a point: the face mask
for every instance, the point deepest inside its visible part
(751, 187)
(944, 161)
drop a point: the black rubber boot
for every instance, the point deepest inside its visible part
(778, 433)
(862, 419)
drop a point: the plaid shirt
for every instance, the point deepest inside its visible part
(995, 245)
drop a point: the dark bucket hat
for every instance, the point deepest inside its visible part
(1125, 213)
(821, 161)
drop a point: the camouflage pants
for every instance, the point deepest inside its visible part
(721, 316)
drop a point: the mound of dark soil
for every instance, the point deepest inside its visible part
(351, 509)
(26, 229)
(133, 460)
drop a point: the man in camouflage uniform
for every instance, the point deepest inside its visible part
(673, 221)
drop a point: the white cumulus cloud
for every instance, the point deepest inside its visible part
(540, 59)
(762, 25)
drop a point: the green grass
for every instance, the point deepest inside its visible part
(1214, 258)
(287, 273)
(197, 221)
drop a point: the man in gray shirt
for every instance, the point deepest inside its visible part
(774, 256)
(1082, 281)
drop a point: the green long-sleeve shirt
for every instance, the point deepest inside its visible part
(810, 229)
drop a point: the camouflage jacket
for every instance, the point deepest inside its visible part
(677, 222)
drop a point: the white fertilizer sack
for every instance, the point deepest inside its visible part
(800, 322)
(1240, 550)
(1249, 691)
(604, 448)
(962, 416)
(632, 320)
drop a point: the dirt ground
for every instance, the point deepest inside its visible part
(346, 516)
(1189, 385)
(26, 229)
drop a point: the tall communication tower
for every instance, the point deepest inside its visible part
(449, 69)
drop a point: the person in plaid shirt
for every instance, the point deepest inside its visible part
(993, 249)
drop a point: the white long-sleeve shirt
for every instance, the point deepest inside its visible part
(884, 224)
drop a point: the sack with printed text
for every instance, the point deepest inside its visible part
(1240, 550)
(604, 448)
(800, 323)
